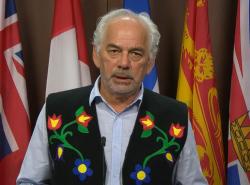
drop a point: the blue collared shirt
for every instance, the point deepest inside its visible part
(116, 128)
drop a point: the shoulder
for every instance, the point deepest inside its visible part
(159, 101)
(72, 93)
(67, 101)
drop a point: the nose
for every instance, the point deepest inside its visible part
(124, 61)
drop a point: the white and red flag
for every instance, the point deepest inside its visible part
(14, 113)
(68, 64)
(239, 110)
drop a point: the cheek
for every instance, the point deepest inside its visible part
(107, 67)
(140, 71)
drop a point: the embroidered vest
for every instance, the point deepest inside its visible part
(75, 144)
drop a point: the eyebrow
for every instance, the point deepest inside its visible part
(140, 49)
(113, 46)
(137, 49)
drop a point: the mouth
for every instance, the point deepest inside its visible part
(122, 78)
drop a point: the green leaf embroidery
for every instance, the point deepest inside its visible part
(83, 129)
(146, 133)
(79, 111)
(150, 115)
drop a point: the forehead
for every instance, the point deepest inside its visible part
(127, 30)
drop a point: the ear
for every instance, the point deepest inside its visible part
(150, 65)
(95, 57)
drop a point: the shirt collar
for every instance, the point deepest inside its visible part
(95, 93)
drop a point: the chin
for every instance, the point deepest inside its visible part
(123, 90)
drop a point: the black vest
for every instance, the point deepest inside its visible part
(75, 144)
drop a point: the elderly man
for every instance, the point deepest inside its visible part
(115, 132)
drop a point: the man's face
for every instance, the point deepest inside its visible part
(123, 58)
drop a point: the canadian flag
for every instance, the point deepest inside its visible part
(68, 64)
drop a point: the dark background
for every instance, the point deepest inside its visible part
(35, 17)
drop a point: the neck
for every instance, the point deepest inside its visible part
(119, 102)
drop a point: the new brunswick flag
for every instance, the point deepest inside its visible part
(238, 166)
(196, 87)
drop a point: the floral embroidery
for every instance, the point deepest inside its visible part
(82, 117)
(147, 122)
(82, 169)
(54, 122)
(176, 130)
(82, 120)
(141, 175)
(169, 156)
(59, 152)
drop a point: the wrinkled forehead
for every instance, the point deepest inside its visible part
(126, 27)
(129, 20)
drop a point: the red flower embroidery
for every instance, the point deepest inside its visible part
(176, 130)
(147, 123)
(84, 119)
(54, 122)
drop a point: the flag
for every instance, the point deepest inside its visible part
(14, 113)
(238, 167)
(68, 64)
(151, 80)
(196, 87)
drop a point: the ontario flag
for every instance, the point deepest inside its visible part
(151, 80)
(238, 167)
(14, 113)
(68, 63)
(196, 87)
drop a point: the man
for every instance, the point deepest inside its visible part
(116, 132)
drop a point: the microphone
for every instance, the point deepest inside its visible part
(103, 143)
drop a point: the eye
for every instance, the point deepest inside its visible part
(113, 51)
(135, 55)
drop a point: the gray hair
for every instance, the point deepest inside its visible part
(154, 35)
